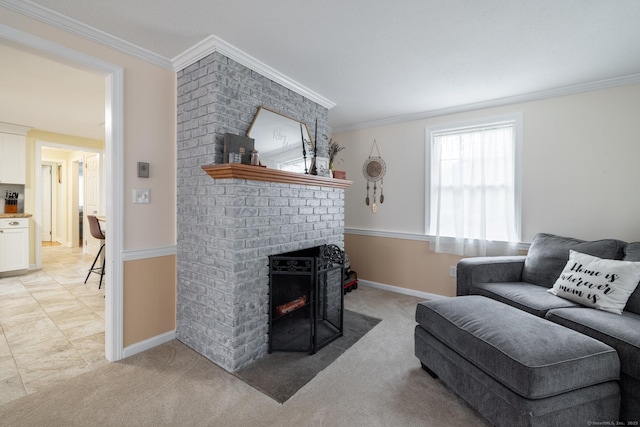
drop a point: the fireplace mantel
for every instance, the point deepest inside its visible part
(257, 173)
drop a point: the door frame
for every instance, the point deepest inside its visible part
(40, 189)
(114, 173)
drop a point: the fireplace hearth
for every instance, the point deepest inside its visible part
(306, 299)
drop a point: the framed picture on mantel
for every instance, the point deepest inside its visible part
(322, 166)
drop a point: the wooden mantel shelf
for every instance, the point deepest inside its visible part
(257, 173)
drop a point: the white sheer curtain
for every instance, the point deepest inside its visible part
(473, 192)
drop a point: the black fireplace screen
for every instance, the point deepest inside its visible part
(306, 299)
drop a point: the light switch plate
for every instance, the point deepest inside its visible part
(141, 195)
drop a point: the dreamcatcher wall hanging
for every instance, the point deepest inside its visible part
(373, 170)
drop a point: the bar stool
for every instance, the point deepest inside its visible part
(97, 233)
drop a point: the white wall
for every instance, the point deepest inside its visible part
(580, 167)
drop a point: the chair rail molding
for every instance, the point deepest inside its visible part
(134, 254)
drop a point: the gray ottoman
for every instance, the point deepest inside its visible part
(514, 368)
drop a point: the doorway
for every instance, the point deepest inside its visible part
(64, 193)
(114, 136)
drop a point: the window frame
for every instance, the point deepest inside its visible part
(518, 125)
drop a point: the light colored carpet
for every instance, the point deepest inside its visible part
(377, 382)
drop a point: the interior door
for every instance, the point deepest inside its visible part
(47, 196)
(91, 199)
(75, 199)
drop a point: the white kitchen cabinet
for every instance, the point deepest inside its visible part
(12, 159)
(14, 244)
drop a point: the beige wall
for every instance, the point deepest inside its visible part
(580, 179)
(149, 136)
(149, 298)
(403, 263)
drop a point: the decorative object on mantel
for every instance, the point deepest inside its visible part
(334, 149)
(304, 149)
(321, 167)
(255, 158)
(373, 170)
(237, 149)
(340, 174)
(314, 162)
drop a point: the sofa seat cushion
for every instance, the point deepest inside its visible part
(529, 355)
(548, 254)
(533, 299)
(622, 332)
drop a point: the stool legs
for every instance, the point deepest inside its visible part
(98, 269)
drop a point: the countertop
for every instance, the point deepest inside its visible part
(15, 215)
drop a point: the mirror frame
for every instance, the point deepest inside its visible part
(271, 129)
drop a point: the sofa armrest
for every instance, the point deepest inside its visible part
(488, 270)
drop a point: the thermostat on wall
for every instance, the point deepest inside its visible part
(143, 170)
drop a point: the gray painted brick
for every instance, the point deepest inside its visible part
(227, 228)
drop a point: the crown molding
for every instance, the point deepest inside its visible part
(73, 26)
(215, 44)
(14, 128)
(200, 50)
(498, 102)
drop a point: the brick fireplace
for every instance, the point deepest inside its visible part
(232, 217)
(247, 213)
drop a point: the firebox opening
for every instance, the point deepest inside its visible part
(305, 299)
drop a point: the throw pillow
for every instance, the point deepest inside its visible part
(595, 282)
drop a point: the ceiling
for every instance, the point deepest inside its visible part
(41, 93)
(378, 59)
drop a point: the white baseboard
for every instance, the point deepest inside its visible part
(399, 290)
(148, 343)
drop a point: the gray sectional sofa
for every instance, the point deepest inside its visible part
(522, 356)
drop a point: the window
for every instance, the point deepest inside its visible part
(475, 186)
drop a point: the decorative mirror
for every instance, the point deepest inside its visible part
(279, 141)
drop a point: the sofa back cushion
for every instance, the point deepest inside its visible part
(632, 253)
(548, 254)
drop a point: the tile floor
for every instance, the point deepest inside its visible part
(51, 323)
